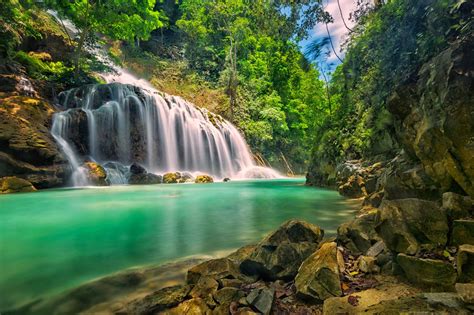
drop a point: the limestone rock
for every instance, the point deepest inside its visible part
(429, 272)
(318, 276)
(160, 300)
(405, 224)
(463, 232)
(354, 187)
(280, 254)
(203, 179)
(216, 268)
(96, 174)
(14, 184)
(457, 206)
(465, 263)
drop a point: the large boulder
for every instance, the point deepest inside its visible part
(279, 255)
(139, 176)
(428, 272)
(318, 276)
(465, 263)
(13, 184)
(171, 178)
(406, 224)
(463, 232)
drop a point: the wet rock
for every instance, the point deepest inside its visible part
(225, 180)
(457, 206)
(465, 292)
(96, 174)
(242, 253)
(318, 276)
(190, 307)
(171, 178)
(280, 254)
(159, 301)
(222, 268)
(13, 184)
(203, 179)
(186, 178)
(463, 232)
(465, 263)
(144, 179)
(136, 169)
(429, 272)
(359, 234)
(406, 224)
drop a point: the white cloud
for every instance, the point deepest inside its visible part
(337, 29)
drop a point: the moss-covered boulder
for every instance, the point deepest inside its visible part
(457, 206)
(96, 174)
(279, 255)
(359, 235)
(171, 178)
(203, 179)
(194, 306)
(13, 184)
(428, 272)
(406, 224)
(318, 276)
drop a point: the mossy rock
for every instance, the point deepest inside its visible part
(14, 184)
(171, 178)
(96, 173)
(203, 179)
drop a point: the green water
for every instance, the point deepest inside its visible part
(57, 239)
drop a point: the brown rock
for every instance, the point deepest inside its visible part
(216, 269)
(190, 307)
(159, 301)
(318, 276)
(463, 232)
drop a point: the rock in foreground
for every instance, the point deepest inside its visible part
(280, 254)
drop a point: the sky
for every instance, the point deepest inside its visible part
(337, 29)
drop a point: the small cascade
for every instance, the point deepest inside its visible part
(119, 124)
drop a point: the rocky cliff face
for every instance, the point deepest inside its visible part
(433, 118)
(27, 149)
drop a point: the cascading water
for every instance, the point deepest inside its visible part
(126, 124)
(127, 121)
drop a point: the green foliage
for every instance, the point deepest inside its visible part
(39, 67)
(388, 46)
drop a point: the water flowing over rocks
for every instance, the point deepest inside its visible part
(128, 124)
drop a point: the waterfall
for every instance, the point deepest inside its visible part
(127, 124)
(128, 121)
